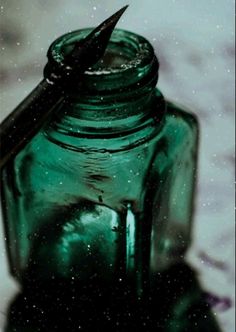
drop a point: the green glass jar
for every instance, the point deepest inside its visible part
(105, 190)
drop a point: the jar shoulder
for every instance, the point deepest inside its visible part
(179, 124)
(177, 141)
(182, 114)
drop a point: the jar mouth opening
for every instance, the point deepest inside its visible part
(129, 63)
(126, 51)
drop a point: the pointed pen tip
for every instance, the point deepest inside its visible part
(113, 19)
(121, 11)
(107, 26)
(98, 36)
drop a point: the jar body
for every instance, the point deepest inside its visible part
(107, 210)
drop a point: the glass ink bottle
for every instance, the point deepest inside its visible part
(103, 194)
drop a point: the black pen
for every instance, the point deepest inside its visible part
(29, 116)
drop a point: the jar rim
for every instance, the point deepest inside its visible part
(144, 50)
(140, 58)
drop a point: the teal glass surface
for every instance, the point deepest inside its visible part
(105, 190)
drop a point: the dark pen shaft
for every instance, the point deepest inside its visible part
(22, 124)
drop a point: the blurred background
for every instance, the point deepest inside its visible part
(194, 41)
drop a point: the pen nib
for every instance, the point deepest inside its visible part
(89, 50)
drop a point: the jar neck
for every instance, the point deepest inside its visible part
(117, 95)
(85, 129)
(107, 114)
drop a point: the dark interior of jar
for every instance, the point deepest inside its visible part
(117, 54)
(113, 58)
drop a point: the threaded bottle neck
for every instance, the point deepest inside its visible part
(116, 95)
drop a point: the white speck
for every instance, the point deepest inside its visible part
(129, 181)
(61, 182)
(49, 82)
(94, 8)
(88, 246)
(18, 43)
